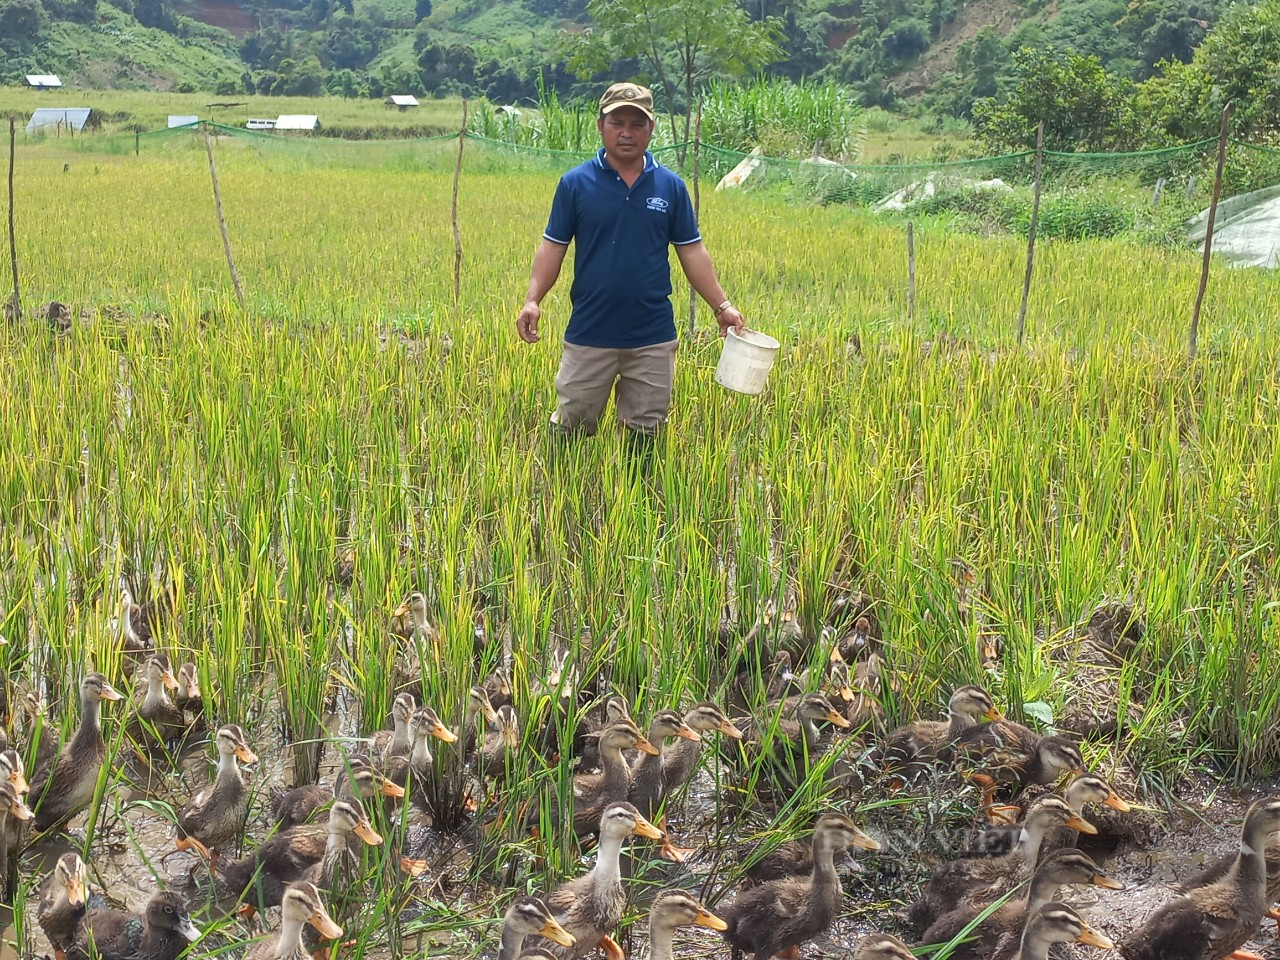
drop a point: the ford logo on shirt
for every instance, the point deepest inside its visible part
(656, 203)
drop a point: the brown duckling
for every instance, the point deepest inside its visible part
(13, 829)
(299, 905)
(999, 935)
(188, 697)
(648, 791)
(158, 721)
(63, 903)
(995, 841)
(680, 761)
(1057, 923)
(924, 744)
(423, 726)
(590, 906)
(672, 909)
(1004, 753)
(64, 789)
(794, 743)
(857, 644)
(478, 705)
(526, 917)
(586, 738)
(12, 813)
(775, 918)
(594, 792)
(497, 686)
(216, 815)
(39, 730)
(1213, 921)
(396, 742)
(980, 879)
(161, 932)
(882, 946)
(501, 745)
(1220, 867)
(355, 779)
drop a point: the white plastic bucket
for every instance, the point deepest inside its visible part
(746, 360)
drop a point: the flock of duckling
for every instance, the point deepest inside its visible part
(1001, 899)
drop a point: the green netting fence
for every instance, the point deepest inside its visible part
(1151, 193)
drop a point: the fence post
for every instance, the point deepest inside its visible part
(14, 312)
(137, 143)
(457, 232)
(1208, 231)
(1031, 235)
(222, 220)
(911, 272)
(1159, 192)
(697, 204)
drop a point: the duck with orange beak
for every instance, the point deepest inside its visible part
(216, 815)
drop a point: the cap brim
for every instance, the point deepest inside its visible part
(605, 111)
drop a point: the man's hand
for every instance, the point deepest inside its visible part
(527, 322)
(730, 317)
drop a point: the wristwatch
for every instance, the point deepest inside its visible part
(722, 308)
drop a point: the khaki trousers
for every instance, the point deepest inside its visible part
(640, 379)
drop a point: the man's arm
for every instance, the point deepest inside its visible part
(697, 266)
(546, 268)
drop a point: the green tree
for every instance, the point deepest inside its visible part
(421, 10)
(1082, 106)
(683, 42)
(21, 19)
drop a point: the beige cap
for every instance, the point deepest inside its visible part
(628, 95)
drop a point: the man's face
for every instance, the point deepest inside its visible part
(626, 133)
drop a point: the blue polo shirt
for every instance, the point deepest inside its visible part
(621, 275)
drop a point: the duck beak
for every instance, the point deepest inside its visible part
(644, 746)
(1078, 822)
(688, 733)
(75, 892)
(1115, 803)
(846, 693)
(193, 690)
(111, 693)
(836, 655)
(188, 929)
(490, 714)
(367, 834)
(1079, 772)
(511, 737)
(644, 828)
(414, 868)
(838, 720)
(390, 789)
(706, 918)
(402, 610)
(1093, 938)
(860, 839)
(20, 811)
(729, 730)
(245, 755)
(170, 681)
(19, 782)
(993, 715)
(990, 651)
(441, 732)
(324, 924)
(553, 931)
(1107, 883)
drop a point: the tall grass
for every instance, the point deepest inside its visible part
(784, 119)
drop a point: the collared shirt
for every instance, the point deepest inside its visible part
(621, 273)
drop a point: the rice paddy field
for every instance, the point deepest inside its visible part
(289, 474)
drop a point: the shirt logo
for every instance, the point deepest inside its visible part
(656, 203)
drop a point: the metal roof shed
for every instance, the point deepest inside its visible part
(43, 81)
(298, 121)
(402, 100)
(57, 119)
(182, 120)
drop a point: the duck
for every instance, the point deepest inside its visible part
(499, 746)
(158, 721)
(586, 736)
(917, 747)
(216, 815)
(589, 907)
(356, 778)
(63, 902)
(478, 705)
(39, 730)
(981, 879)
(1212, 921)
(792, 858)
(1057, 923)
(1086, 789)
(1220, 867)
(1003, 753)
(775, 918)
(856, 645)
(671, 909)
(13, 828)
(13, 812)
(497, 686)
(418, 628)
(525, 917)
(999, 935)
(593, 793)
(67, 786)
(313, 851)
(161, 932)
(680, 760)
(383, 745)
(882, 946)
(794, 742)
(865, 708)
(188, 698)
(423, 726)
(300, 904)
(648, 790)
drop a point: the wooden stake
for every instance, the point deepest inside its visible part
(15, 300)
(697, 204)
(1208, 231)
(457, 232)
(222, 220)
(1031, 235)
(911, 271)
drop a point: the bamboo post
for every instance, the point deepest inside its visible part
(1208, 230)
(137, 143)
(697, 204)
(457, 232)
(222, 220)
(1031, 235)
(911, 272)
(15, 299)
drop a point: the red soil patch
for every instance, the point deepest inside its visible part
(223, 13)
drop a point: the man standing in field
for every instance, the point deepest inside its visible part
(623, 209)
